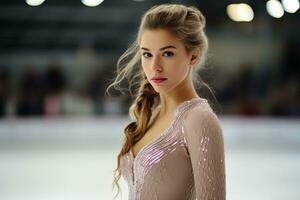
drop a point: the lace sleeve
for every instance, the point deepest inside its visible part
(205, 145)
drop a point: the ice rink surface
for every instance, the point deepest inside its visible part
(74, 158)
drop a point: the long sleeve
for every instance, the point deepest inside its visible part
(205, 145)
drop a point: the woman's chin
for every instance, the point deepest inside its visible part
(160, 90)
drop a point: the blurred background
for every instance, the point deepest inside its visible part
(60, 134)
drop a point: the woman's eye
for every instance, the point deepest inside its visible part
(168, 53)
(146, 55)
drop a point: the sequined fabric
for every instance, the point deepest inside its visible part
(185, 163)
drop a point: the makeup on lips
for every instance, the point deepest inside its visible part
(158, 79)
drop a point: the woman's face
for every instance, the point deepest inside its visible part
(165, 61)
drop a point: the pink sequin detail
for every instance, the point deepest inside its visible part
(137, 168)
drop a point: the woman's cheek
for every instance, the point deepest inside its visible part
(144, 65)
(177, 68)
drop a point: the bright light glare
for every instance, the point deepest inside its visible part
(34, 2)
(240, 12)
(274, 8)
(91, 3)
(290, 6)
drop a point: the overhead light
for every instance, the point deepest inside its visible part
(92, 3)
(34, 2)
(274, 8)
(240, 12)
(290, 6)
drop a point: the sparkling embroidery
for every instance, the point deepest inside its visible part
(152, 153)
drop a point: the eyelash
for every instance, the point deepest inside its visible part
(168, 52)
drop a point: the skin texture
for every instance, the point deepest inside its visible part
(173, 62)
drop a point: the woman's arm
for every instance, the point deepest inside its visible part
(205, 144)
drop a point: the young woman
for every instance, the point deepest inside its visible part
(174, 148)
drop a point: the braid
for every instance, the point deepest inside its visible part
(140, 112)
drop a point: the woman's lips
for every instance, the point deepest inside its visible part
(159, 80)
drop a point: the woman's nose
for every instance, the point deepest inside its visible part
(156, 63)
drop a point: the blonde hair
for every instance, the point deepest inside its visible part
(187, 24)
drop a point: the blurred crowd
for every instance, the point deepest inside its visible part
(272, 91)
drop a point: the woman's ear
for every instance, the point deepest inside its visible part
(195, 56)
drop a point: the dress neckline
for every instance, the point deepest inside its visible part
(179, 109)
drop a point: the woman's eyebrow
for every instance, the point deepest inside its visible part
(163, 48)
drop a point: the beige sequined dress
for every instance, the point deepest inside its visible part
(187, 161)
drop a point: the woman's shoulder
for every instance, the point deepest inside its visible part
(200, 106)
(201, 115)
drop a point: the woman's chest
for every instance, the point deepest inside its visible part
(157, 171)
(154, 132)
